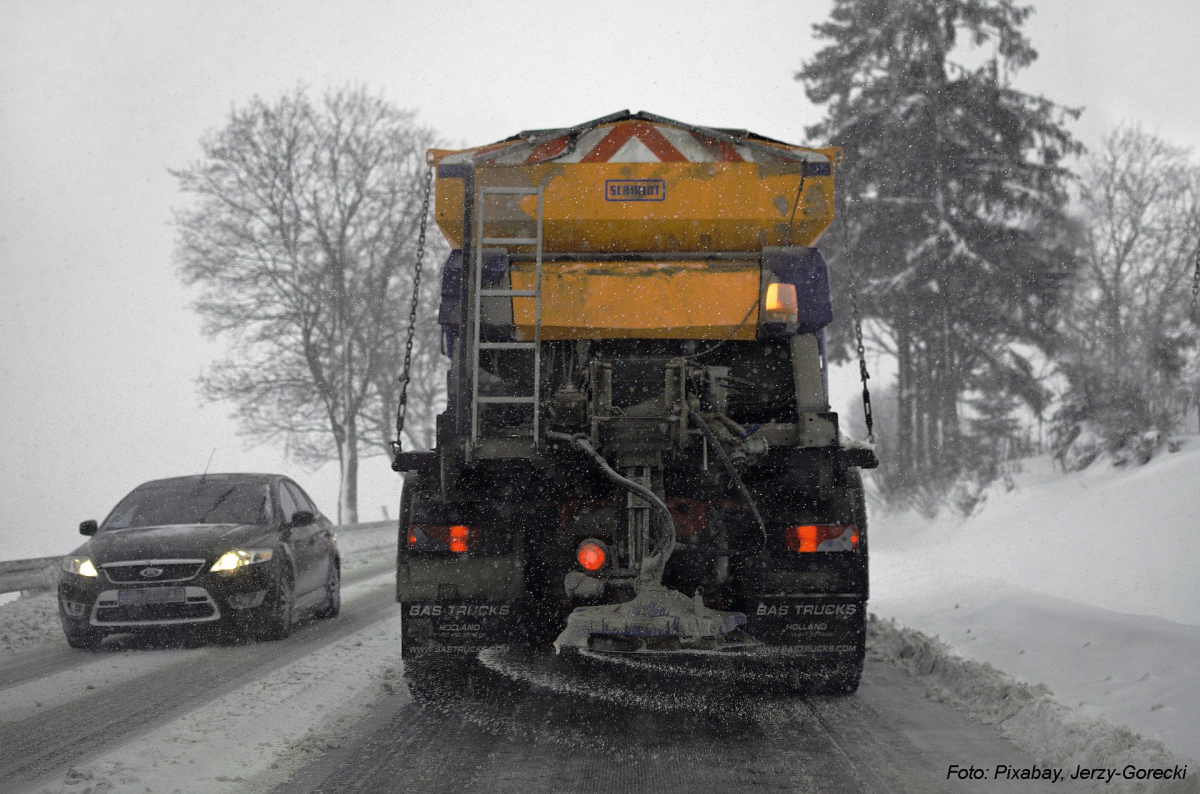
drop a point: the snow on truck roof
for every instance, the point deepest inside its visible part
(640, 137)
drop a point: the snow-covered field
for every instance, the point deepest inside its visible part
(1084, 584)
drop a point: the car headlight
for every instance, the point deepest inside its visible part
(80, 566)
(240, 558)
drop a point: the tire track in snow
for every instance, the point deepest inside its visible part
(530, 725)
(480, 731)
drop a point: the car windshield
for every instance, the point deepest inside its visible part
(211, 502)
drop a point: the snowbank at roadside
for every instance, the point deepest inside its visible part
(1027, 714)
(1082, 583)
(1124, 539)
(364, 545)
(1132, 670)
(28, 621)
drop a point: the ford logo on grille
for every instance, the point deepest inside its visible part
(150, 573)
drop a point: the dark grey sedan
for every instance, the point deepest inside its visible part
(246, 552)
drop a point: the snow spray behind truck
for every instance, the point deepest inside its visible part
(638, 454)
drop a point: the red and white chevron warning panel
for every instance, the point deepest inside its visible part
(630, 140)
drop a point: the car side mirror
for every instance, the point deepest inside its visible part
(303, 518)
(89, 527)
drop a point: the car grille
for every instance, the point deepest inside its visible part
(132, 571)
(149, 606)
(154, 612)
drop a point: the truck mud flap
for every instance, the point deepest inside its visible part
(820, 626)
(455, 628)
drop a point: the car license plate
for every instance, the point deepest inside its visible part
(153, 595)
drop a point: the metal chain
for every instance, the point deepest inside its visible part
(1196, 288)
(402, 409)
(868, 415)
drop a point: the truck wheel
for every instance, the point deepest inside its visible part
(442, 680)
(843, 680)
(421, 677)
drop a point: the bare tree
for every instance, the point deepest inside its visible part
(427, 373)
(1127, 338)
(301, 238)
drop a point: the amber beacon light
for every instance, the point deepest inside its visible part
(781, 303)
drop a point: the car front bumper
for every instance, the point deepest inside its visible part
(98, 603)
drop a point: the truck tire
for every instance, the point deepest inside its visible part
(842, 680)
(443, 680)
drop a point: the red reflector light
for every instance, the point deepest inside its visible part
(591, 555)
(810, 537)
(455, 538)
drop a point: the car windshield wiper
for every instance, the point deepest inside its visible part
(224, 496)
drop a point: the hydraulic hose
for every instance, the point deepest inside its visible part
(729, 467)
(654, 564)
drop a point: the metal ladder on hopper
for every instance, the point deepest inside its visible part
(477, 346)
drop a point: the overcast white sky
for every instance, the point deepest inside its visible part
(99, 350)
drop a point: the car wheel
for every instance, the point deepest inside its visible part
(333, 593)
(276, 621)
(82, 638)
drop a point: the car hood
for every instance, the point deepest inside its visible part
(201, 541)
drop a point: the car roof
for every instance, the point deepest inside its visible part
(237, 479)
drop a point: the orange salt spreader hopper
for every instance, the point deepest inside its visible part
(676, 217)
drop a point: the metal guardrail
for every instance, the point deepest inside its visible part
(41, 573)
(389, 522)
(36, 574)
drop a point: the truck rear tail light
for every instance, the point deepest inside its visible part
(821, 537)
(592, 555)
(454, 538)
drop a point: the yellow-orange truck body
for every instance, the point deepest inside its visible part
(699, 195)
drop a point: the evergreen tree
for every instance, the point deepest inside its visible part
(953, 206)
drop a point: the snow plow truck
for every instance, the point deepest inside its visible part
(638, 454)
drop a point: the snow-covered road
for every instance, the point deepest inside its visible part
(130, 717)
(485, 728)
(145, 702)
(330, 709)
